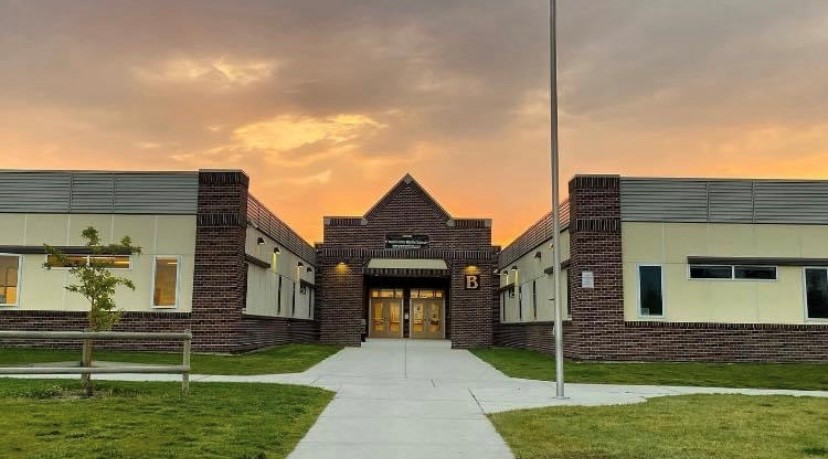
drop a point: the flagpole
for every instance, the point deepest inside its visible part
(556, 200)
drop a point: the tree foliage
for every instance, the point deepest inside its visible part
(94, 280)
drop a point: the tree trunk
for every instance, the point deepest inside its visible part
(86, 378)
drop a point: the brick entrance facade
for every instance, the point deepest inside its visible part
(352, 242)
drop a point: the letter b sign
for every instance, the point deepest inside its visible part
(472, 282)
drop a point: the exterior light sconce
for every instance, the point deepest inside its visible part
(274, 261)
(341, 267)
(260, 241)
(309, 270)
(538, 255)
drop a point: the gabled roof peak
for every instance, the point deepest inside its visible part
(408, 181)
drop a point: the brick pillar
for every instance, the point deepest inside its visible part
(340, 297)
(471, 310)
(219, 284)
(595, 245)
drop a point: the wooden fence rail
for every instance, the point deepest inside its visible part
(184, 369)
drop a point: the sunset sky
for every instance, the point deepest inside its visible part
(328, 103)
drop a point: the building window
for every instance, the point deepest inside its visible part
(711, 272)
(732, 272)
(650, 291)
(111, 261)
(568, 288)
(755, 272)
(520, 302)
(293, 301)
(816, 292)
(165, 282)
(535, 298)
(9, 279)
(279, 296)
(311, 300)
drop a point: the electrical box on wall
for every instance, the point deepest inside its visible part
(587, 279)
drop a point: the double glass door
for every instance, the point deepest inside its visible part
(427, 311)
(424, 318)
(386, 313)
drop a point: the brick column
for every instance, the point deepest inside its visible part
(595, 245)
(340, 297)
(471, 310)
(219, 284)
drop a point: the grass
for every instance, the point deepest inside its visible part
(45, 419)
(519, 363)
(685, 427)
(290, 358)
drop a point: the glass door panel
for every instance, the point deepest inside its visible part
(427, 312)
(394, 317)
(377, 319)
(386, 318)
(435, 321)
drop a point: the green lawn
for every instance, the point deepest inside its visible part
(290, 358)
(686, 427)
(46, 419)
(519, 363)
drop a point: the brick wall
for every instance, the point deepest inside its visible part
(76, 321)
(340, 296)
(219, 282)
(471, 324)
(259, 332)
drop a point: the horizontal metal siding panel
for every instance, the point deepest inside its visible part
(664, 200)
(792, 202)
(731, 202)
(43, 192)
(92, 193)
(156, 193)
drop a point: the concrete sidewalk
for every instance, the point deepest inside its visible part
(414, 398)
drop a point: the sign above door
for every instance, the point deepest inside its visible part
(406, 241)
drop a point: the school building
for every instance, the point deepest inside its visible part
(654, 268)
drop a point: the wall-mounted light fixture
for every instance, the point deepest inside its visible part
(274, 261)
(341, 267)
(309, 270)
(538, 255)
(260, 241)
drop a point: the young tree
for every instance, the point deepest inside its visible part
(96, 283)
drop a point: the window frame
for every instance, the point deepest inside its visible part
(808, 319)
(732, 273)
(639, 315)
(19, 279)
(89, 257)
(177, 281)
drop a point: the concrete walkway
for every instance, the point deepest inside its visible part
(413, 399)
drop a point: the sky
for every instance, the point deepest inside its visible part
(326, 104)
